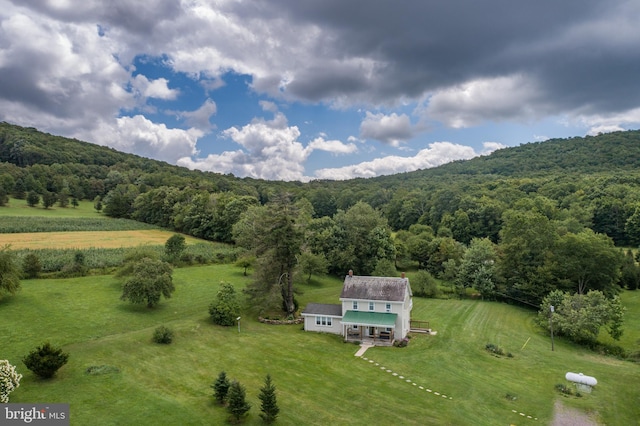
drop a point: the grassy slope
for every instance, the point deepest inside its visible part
(17, 207)
(319, 381)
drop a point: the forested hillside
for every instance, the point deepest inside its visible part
(525, 213)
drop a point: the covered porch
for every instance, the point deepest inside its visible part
(377, 328)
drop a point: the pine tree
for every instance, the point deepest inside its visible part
(221, 387)
(237, 403)
(269, 405)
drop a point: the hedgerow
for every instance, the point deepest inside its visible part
(55, 260)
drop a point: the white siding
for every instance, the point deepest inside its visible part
(310, 324)
(402, 309)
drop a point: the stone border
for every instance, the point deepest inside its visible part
(281, 322)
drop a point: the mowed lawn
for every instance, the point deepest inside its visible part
(88, 239)
(319, 380)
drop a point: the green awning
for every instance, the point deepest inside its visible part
(370, 319)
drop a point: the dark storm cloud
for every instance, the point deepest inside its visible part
(579, 52)
(138, 17)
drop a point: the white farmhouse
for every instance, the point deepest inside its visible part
(374, 309)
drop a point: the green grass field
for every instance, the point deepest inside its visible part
(318, 379)
(17, 207)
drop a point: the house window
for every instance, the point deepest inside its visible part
(372, 306)
(324, 321)
(355, 305)
(388, 307)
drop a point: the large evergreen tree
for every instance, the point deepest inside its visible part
(274, 233)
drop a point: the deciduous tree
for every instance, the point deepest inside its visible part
(580, 317)
(9, 272)
(150, 280)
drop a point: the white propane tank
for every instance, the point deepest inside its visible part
(581, 379)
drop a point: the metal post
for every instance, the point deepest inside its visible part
(551, 325)
(238, 319)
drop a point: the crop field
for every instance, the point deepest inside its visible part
(88, 239)
(117, 376)
(18, 224)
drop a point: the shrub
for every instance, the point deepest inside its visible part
(225, 309)
(423, 284)
(45, 360)
(401, 343)
(494, 349)
(163, 335)
(9, 380)
(31, 265)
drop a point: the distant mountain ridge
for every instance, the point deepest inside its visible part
(25, 146)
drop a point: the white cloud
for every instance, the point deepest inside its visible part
(489, 147)
(437, 154)
(140, 136)
(270, 150)
(606, 123)
(154, 88)
(333, 146)
(488, 99)
(390, 129)
(201, 117)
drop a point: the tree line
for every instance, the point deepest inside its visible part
(530, 209)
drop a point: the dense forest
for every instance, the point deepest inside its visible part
(518, 223)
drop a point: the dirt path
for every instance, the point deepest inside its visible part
(567, 416)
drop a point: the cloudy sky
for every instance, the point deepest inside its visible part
(308, 89)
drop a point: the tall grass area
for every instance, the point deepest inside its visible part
(133, 381)
(19, 224)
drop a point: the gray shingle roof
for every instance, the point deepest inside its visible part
(323, 309)
(375, 288)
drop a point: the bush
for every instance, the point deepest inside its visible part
(401, 343)
(564, 389)
(225, 309)
(45, 360)
(31, 266)
(423, 284)
(494, 349)
(163, 335)
(9, 380)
